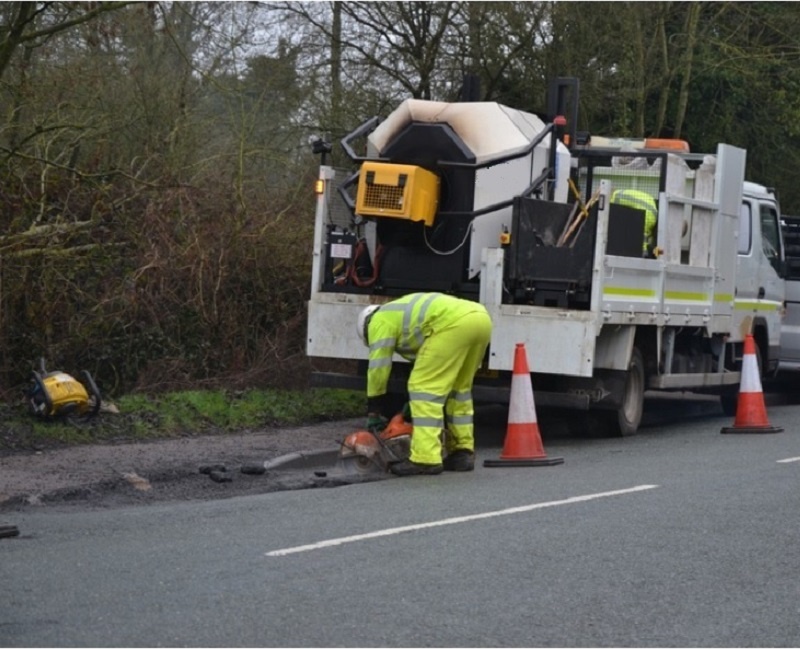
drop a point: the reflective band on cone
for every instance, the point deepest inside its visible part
(751, 413)
(523, 443)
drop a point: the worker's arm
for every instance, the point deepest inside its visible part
(382, 345)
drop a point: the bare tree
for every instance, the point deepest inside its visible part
(31, 23)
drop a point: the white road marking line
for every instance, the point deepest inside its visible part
(788, 459)
(453, 521)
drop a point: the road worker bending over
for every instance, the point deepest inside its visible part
(640, 200)
(445, 338)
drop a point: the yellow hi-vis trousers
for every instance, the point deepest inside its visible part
(440, 385)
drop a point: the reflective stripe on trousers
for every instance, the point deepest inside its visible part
(440, 385)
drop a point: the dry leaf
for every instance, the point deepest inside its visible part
(138, 482)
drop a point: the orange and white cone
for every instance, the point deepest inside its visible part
(523, 442)
(751, 413)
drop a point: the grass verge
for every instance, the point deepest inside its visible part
(194, 412)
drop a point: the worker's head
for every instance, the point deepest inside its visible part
(363, 321)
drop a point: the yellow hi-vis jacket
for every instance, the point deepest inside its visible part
(640, 200)
(402, 325)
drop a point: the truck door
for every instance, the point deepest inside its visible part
(747, 261)
(770, 279)
(759, 266)
(790, 328)
(759, 285)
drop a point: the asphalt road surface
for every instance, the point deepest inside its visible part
(677, 537)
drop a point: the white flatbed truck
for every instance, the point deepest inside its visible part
(474, 199)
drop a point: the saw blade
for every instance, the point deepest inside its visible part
(358, 465)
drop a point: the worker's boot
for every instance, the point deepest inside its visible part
(460, 460)
(407, 467)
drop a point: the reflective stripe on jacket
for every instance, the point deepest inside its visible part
(402, 325)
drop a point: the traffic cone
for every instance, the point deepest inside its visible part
(523, 443)
(751, 414)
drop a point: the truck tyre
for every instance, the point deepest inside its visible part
(729, 401)
(625, 420)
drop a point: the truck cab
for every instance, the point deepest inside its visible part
(790, 327)
(759, 273)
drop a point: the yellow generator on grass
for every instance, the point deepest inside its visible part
(58, 394)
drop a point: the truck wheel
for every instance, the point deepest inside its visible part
(729, 402)
(625, 420)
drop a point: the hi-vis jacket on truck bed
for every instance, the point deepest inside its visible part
(492, 204)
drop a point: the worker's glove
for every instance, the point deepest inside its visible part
(376, 423)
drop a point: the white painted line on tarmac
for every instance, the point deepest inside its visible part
(453, 521)
(789, 459)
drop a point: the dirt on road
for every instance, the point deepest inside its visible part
(121, 474)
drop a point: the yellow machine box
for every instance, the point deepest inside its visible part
(397, 191)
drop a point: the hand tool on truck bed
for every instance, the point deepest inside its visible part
(582, 213)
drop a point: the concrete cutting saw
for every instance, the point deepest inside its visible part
(365, 452)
